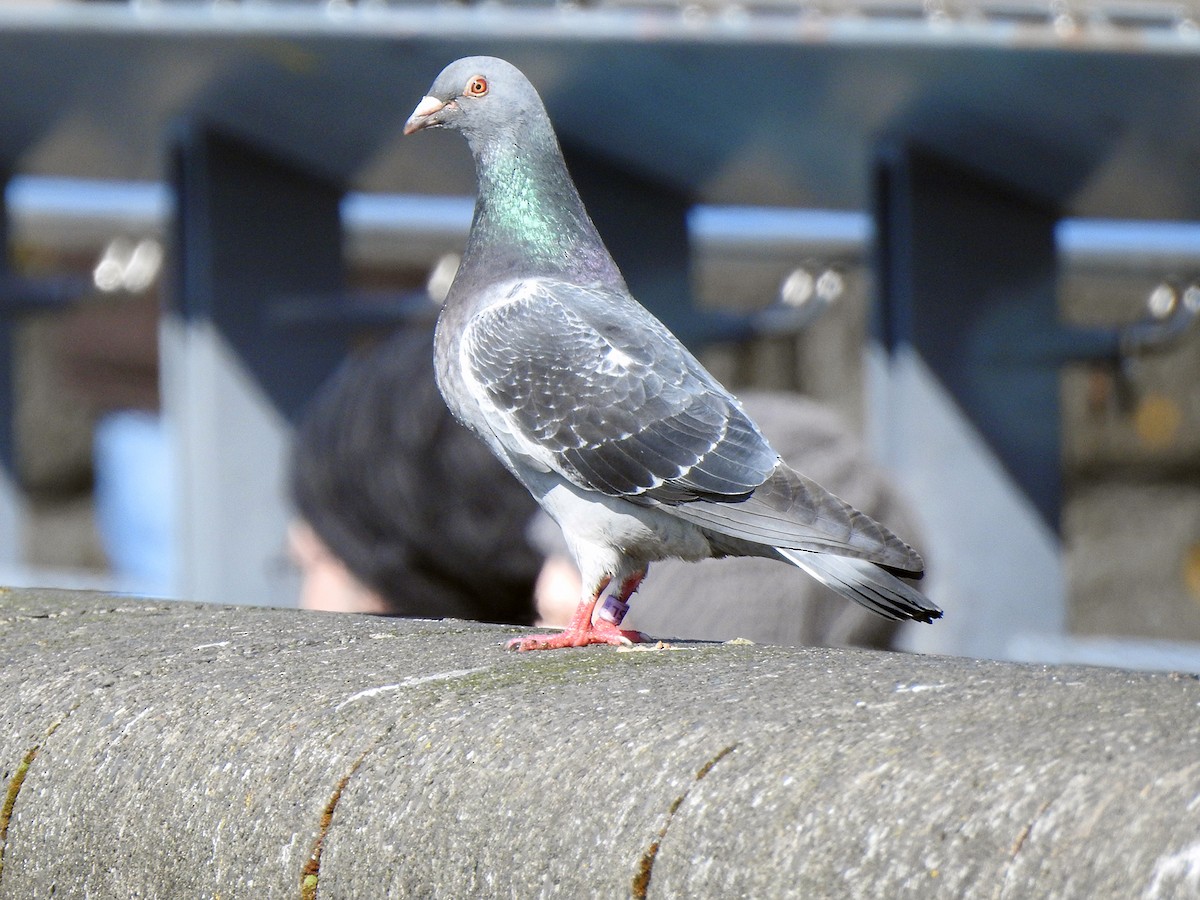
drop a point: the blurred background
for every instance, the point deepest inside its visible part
(970, 228)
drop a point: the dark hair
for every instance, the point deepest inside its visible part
(412, 503)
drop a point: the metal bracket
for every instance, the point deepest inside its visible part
(1171, 313)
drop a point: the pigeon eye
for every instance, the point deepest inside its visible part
(476, 87)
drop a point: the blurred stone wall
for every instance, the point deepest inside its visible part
(1132, 463)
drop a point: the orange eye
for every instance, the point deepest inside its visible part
(476, 87)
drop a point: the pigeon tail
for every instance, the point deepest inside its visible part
(867, 584)
(789, 511)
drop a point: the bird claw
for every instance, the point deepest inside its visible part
(599, 632)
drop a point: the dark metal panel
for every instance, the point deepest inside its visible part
(251, 230)
(967, 277)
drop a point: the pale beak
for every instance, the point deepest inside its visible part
(420, 116)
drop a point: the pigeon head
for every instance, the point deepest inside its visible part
(529, 220)
(483, 97)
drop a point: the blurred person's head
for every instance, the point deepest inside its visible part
(402, 510)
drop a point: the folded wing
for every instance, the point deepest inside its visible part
(590, 379)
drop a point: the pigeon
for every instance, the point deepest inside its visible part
(613, 426)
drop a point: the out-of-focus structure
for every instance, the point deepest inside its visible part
(997, 200)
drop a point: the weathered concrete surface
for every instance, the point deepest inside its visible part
(165, 750)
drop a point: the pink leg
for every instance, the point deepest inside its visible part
(582, 630)
(616, 607)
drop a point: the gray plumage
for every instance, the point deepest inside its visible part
(613, 426)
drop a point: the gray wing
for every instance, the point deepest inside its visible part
(589, 378)
(791, 512)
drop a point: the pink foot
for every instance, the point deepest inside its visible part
(596, 633)
(623, 635)
(582, 630)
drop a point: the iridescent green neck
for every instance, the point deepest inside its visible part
(518, 206)
(529, 219)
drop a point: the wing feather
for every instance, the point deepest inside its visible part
(619, 405)
(790, 511)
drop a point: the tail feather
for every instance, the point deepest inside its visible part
(867, 584)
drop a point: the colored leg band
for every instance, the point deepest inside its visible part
(613, 610)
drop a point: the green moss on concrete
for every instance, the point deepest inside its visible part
(10, 800)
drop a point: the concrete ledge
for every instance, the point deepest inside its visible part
(170, 750)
